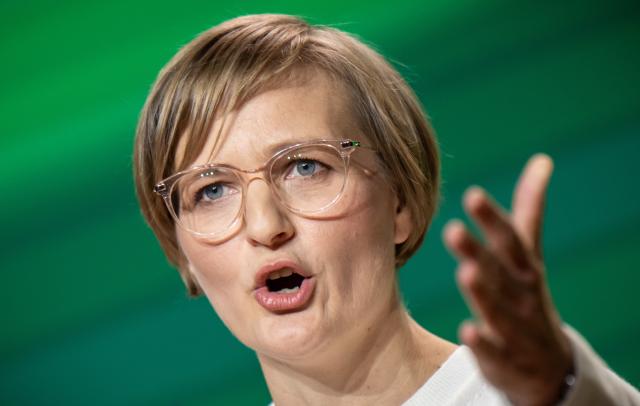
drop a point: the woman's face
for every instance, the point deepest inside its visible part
(347, 258)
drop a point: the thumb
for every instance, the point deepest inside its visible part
(529, 200)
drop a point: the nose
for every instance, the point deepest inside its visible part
(266, 221)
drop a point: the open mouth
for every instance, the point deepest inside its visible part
(284, 287)
(284, 281)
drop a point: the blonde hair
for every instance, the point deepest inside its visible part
(228, 64)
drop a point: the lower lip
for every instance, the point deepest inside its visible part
(286, 302)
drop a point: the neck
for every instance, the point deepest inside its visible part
(383, 362)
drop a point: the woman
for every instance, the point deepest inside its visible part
(288, 172)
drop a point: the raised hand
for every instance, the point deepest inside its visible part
(517, 338)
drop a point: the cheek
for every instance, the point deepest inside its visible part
(356, 251)
(369, 228)
(218, 270)
(209, 264)
(215, 269)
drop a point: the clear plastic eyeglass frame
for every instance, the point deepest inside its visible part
(344, 148)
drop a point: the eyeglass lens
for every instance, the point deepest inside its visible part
(307, 179)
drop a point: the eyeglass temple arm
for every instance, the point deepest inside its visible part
(349, 143)
(161, 189)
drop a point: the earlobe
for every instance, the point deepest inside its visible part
(402, 223)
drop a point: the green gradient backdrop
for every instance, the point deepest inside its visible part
(91, 313)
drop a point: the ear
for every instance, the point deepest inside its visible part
(403, 224)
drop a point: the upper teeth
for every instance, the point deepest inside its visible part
(280, 274)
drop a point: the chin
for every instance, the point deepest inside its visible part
(290, 336)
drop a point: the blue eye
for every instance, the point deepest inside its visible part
(213, 192)
(305, 167)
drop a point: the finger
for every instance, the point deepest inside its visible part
(490, 299)
(477, 336)
(499, 233)
(464, 246)
(529, 201)
(460, 242)
(512, 307)
(491, 357)
(495, 363)
(482, 284)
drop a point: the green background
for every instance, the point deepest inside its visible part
(92, 314)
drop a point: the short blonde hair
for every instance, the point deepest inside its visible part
(228, 64)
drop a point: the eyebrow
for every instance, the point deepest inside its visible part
(273, 148)
(277, 146)
(268, 152)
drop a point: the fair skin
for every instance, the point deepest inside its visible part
(354, 342)
(518, 340)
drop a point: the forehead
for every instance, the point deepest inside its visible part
(316, 108)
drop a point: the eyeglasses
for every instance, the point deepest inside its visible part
(307, 178)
